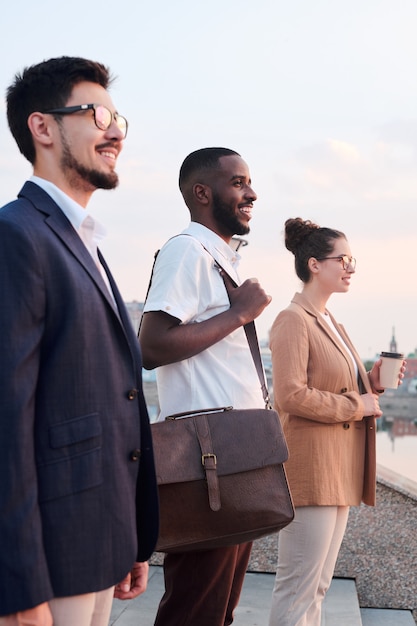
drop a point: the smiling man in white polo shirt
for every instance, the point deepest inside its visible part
(195, 338)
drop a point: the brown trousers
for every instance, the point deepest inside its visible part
(203, 588)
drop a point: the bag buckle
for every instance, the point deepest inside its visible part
(208, 455)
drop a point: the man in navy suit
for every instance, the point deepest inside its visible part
(78, 497)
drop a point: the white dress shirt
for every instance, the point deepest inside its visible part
(90, 231)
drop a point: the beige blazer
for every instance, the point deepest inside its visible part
(317, 395)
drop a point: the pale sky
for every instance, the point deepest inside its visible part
(319, 98)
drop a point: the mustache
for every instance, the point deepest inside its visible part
(110, 144)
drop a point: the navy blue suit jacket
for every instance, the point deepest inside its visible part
(78, 496)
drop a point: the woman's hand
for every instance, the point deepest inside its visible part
(374, 375)
(371, 404)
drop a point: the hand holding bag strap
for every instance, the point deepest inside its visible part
(250, 331)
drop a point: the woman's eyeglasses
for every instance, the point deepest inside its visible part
(348, 262)
(103, 117)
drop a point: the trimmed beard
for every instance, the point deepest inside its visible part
(94, 178)
(224, 215)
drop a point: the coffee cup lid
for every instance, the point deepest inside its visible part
(392, 355)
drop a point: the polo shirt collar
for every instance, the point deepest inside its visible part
(217, 247)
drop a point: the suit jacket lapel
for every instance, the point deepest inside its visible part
(124, 316)
(129, 331)
(78, 249)
(60, 225)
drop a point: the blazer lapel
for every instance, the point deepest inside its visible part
(129, 331)
(61, 226)
(362, 378)
(363, 381)
(73, 242)
(338, 343)
(124, 316)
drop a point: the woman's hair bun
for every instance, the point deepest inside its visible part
(296, 231)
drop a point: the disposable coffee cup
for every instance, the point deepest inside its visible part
(390, 369)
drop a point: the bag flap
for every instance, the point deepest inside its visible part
(242, 441)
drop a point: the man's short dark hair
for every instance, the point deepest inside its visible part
(203, 159)
(47, 85)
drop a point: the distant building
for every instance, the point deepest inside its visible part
(393, 343)
(135, 310)
(412, 386)
(411, 371)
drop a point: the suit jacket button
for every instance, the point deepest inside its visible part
(135, 455)
(131, 395)
(346, 426)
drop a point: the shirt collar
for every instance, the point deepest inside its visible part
(74, 212)
(217, 247)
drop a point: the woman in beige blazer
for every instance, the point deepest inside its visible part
(328, 404)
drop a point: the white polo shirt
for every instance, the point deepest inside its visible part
(187, 285)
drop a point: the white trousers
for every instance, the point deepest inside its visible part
(307, 552)
(89, 609)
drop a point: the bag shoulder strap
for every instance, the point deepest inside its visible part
(251, 336)
(148, 289)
